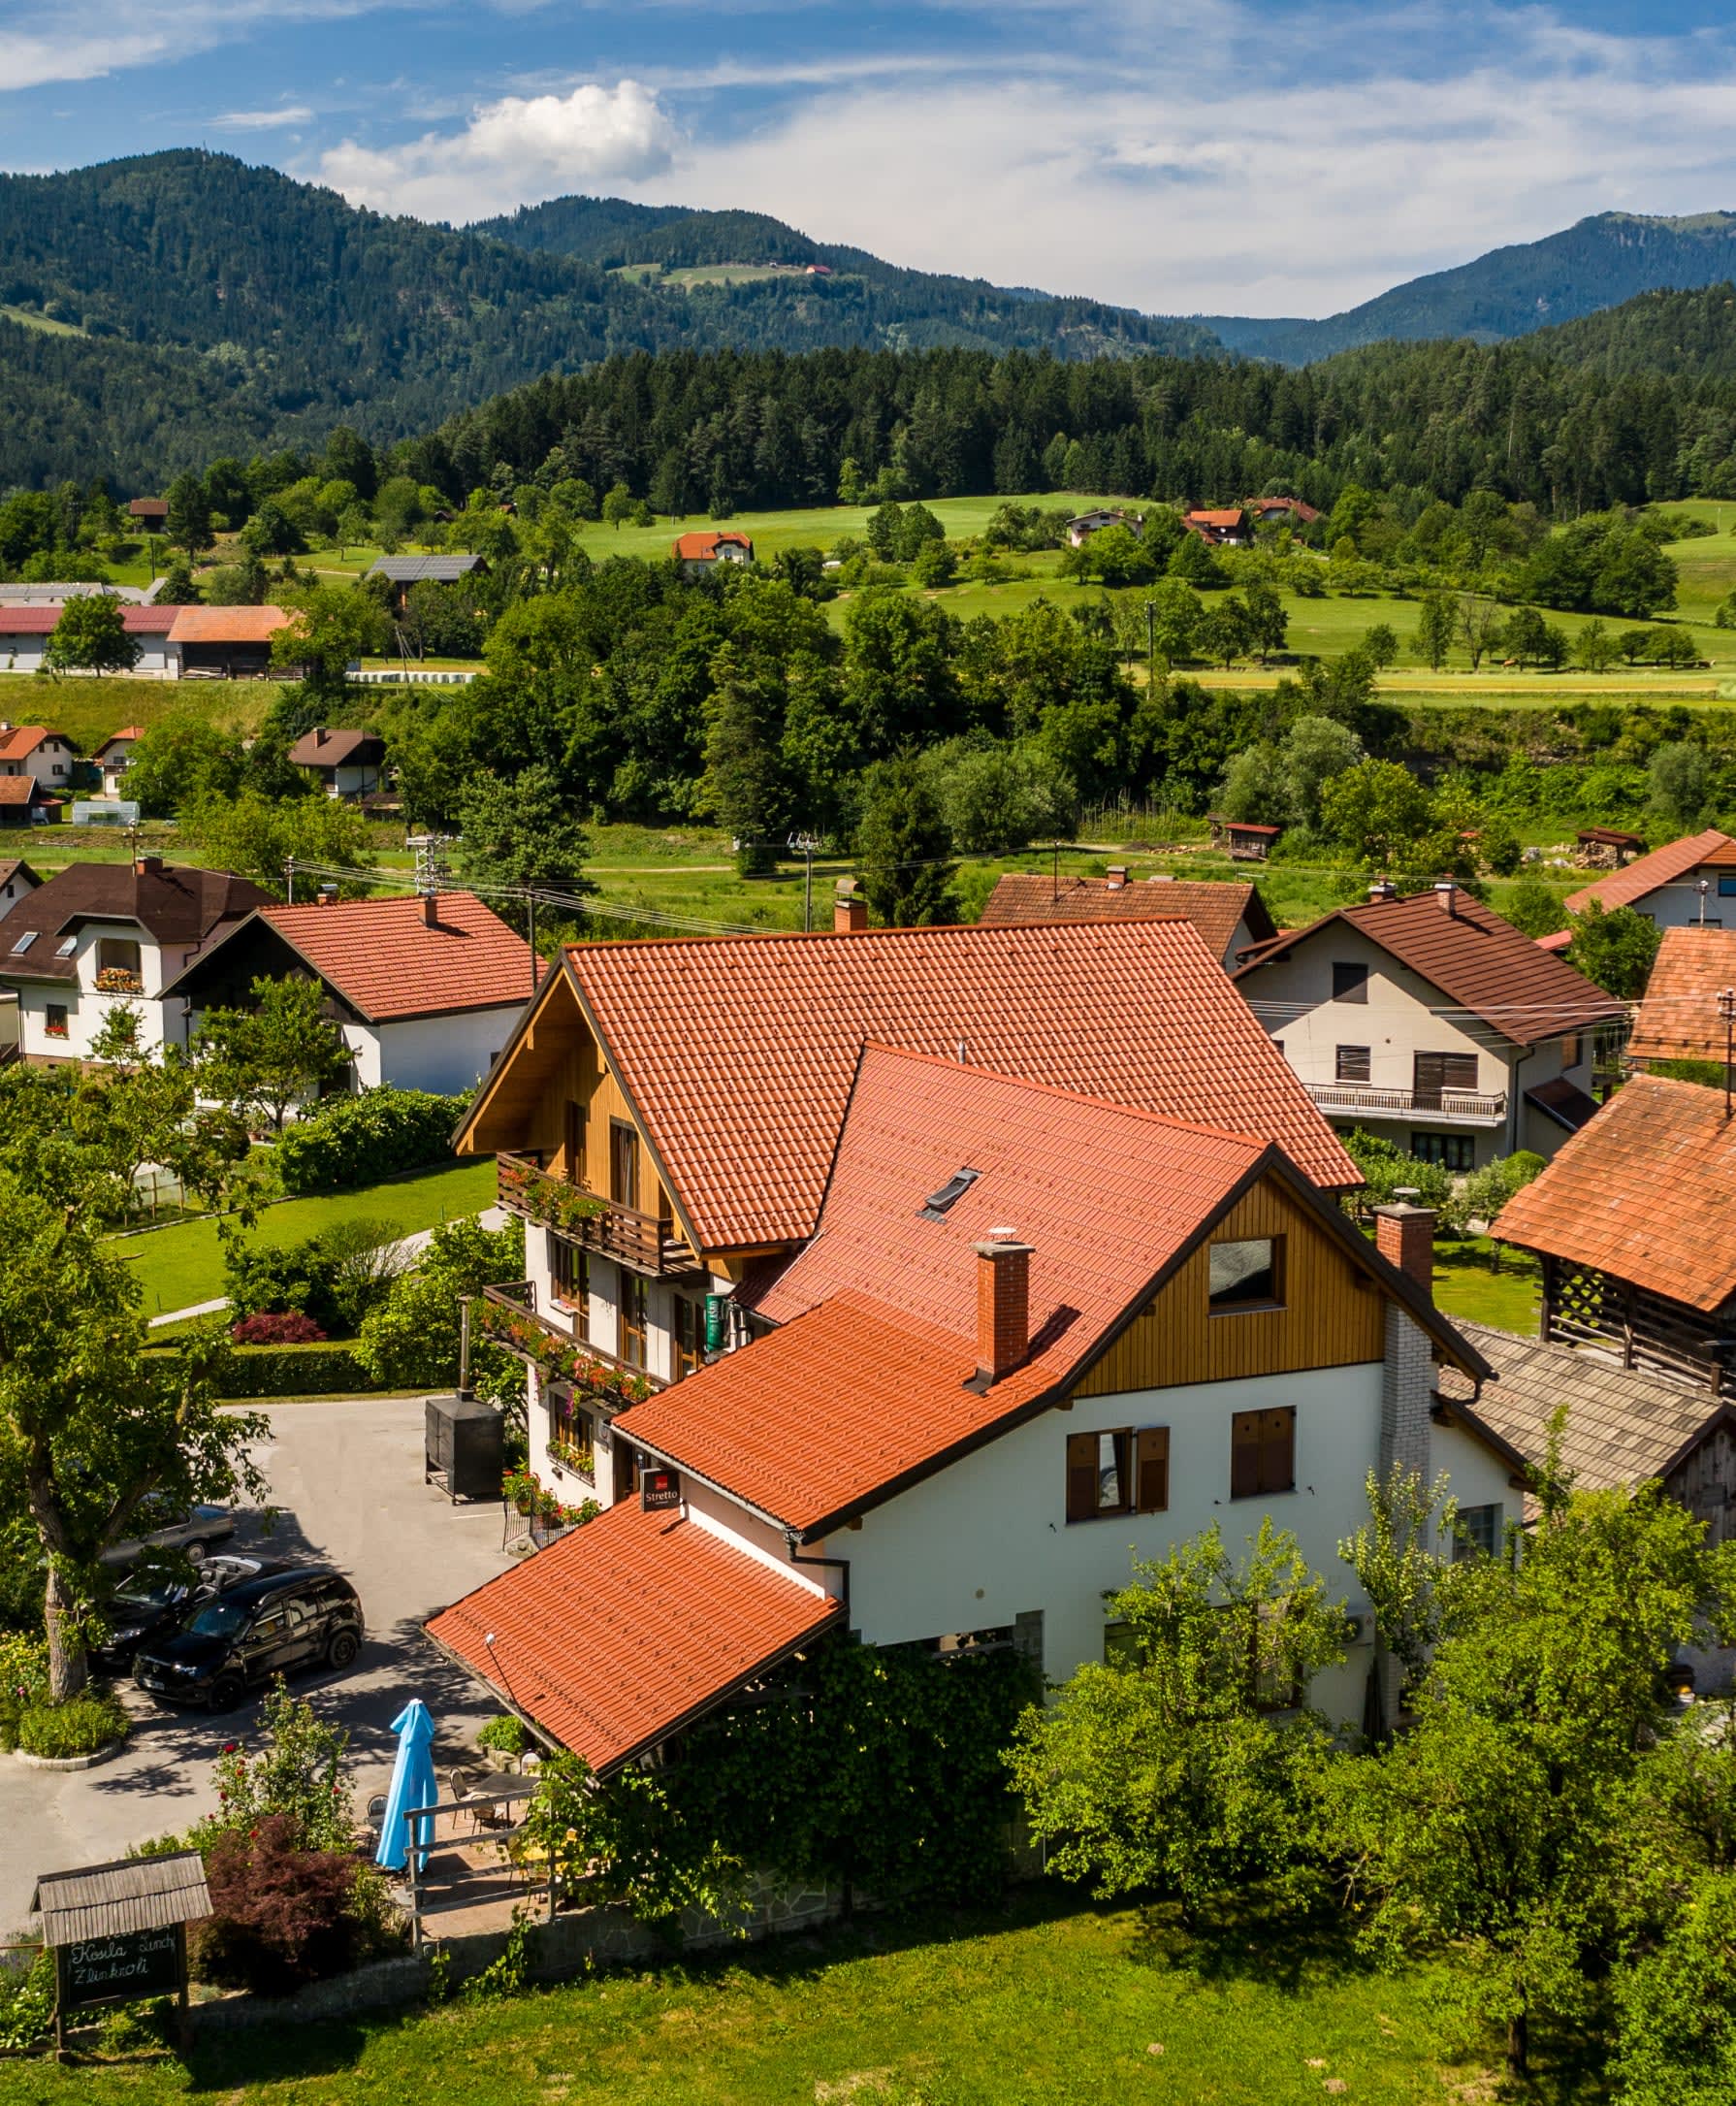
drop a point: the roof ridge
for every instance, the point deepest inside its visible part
(1072, 1096)
(1029, 930)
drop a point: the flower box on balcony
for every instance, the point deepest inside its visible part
(553, 1201)
(117, 980)
(555, 1358)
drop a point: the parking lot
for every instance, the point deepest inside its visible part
(347, 1481)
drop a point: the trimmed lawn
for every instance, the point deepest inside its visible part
(1465, 1288)
(184, 1264)
(1030, 2006)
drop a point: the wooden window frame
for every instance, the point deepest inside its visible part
(623, 1129)
(1279, 1283)
(1141, 1473)
(575, 1129)
(572, 1292)
(574, 1426)
(1263, 1452)
(1350, 981)
(1353, 1064)
(686, 1354)
(632, 1320)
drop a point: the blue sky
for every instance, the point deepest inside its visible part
(1247, 156)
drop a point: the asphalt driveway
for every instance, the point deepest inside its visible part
(346, 1477)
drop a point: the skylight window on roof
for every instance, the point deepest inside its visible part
(24, 943)
(68, 945)
(949, 1194)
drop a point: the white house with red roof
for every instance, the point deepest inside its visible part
(425, 990)
(1030, 1337)
(700, 552)
(1687, 884)
(35, 750)
(114, 756)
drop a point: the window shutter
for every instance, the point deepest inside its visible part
(1081, 1476)
(1245, 1451)
(1278, 1449)
(1152, 1468)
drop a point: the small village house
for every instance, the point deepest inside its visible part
(400, 573)
(342, 763)
(701, 552)
(1083, 524)
(23, 802)
(1690, 1006)
(25, 629)
(18, 881)
(150, 513)
(226, 643)
(1635, 1223)
(1433, 1024)
(101, 933)
(152, 629)
(24, 632)
(1225, 526)
(1690, 881)
(426, 990)
(114, 756)
(1030, 1336)
(1229, 917)
(1244, 840)
(48, 756)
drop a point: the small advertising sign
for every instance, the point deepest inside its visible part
(658, 1490)
(123, 1965)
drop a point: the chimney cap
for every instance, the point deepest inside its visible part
(1446, 891)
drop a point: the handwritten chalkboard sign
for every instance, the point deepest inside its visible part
(121, 1966)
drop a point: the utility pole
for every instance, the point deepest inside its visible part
(431, 859)
(805, 845)
(1703, 887)
(1727, 1009)
(289, 877)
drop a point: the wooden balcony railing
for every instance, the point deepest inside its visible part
(1457, 1107)
(643, 1243)
(508, 1315)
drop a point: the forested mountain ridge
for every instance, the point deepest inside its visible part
(1597, 263)
(271, 309)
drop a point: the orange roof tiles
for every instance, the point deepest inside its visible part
(1679, 1018)
(1217, 911)
(18, 790)
(227, 625)
(703, 547)
(18, 740)
(1107, 1196)
(1664, 865)
(1646, 1192)
(738, 1052)
(1480, 962)
(1223, 515)
(386, 962)
(629, 1628)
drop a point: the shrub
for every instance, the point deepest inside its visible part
(23, 1682)
(297, 1776)
(270, 1279)
(276, 1327)
(360, 1140)
(282, 1915)
(289, 1371)
(78, 1726)
(505, 1733)
(26, 2003)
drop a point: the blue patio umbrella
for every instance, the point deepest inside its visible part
(412, 1784)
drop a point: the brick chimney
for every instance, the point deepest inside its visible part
(1117, 876)
(146, 865)
(1404, 1236)
(1003, 1304)
(431, 910)
(320, 735)
(849, 912)
(1382, 889)
(1446, 895)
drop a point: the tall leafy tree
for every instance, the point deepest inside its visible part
(522, 831)
(281, 1049)
(91, 636)
(903, 846)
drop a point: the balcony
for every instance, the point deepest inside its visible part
(641, 1242)
(508, 1315)
(1450, 1107)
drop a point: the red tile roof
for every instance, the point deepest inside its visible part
(865, 1385)
(1679, 1018)
(703, 547)
(1646, 1192)
(738, 1052)
(28, 621)
(1217, 911)
(227, 625)
(385, 960)
(1663, 866)
(1480, 962)
(629, 1628)
(16, 740)
(153, 621)
(1224, 515)
(129, 733)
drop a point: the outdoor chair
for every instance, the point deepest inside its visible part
(472, 1799)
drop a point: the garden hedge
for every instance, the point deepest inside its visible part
(293, 1370)
(351, 1141)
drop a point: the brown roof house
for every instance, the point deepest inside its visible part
(1635, 1222)
(1691, 999)
(102, 933)
(1686, 883)
(1430, 1021)
(426, 990)
(18, 881)
(1014, 1333)
(344, 763)
(1229, 916)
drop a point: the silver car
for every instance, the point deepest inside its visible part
(165, 1525)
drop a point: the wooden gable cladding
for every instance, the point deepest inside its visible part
(1333, 1313)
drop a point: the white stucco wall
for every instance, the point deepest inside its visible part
(1293, 1000)
(20, 654)
(1678, 905)
(445, 1054)
(16, 887)
(86, 1007)
(51, 763)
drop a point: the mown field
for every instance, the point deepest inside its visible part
(1040, 2004)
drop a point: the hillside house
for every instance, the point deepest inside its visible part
(226, 643)
(1634, 1224)
(1084, 525)
(152, 629)
(1229, 917)
(114, 756)
(1027, 1337)
(1222, 526)
(1433, 1024)
(101, 933)
(700, 553)
(46, 756)
(25, 629)
(23, 802)
(18, 881)
(342, 763)
(1693, 986)
(400, 573)
(150, 513)
(1280, 512)
(426, 990)
(1688, 882)
(24, 632)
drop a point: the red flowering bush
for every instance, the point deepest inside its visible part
(276, 1327)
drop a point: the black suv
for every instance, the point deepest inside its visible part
(268, 1625)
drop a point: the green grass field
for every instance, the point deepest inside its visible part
(90, 710)
(177, 1266)
(1040, 2004)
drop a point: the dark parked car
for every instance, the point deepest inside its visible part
(162, 1525)
(154, 1605)
(272, 1625)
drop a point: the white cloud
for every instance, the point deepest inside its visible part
(262, 120)
(519, 148)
